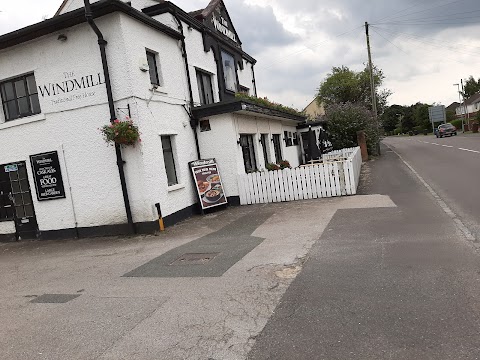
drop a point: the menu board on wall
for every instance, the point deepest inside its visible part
(47, 176)
(208, 183)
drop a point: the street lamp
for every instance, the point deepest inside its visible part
(460, 101)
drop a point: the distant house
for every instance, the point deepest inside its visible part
(453, 106)
(314, 110)
(472, 106)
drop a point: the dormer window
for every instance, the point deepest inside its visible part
(229, 72)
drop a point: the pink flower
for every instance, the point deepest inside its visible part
(116, 121)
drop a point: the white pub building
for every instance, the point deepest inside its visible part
(173, 73)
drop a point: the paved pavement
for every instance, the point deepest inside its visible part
(119, 298)
(396, 283)
(451, 166)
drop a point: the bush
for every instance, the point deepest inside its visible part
(457, 123)
(397, 131)
(272, 167)
(344, 120)
(284, 164)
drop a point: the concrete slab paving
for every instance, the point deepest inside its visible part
(171, 318)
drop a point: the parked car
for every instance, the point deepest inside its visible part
(445, 129)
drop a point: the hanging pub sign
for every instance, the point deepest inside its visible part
(47, 176)
(208, 183)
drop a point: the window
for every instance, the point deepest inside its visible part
(205, 125)
(205, 89)
(229, 73)
(19, 97)
(169, 160)
(244, 90)
(264, 141)
(153, 68)
(248, 152)
(295, 139)
(288, 138)
(277, 146)
(6, 197)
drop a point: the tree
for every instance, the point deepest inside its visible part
(344, 120)
(391, 117)
(471, 87)
(421, 116)
(343, 85)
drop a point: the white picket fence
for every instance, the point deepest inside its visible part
(338, 175)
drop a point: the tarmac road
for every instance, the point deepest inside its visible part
(396, 283)
(451, 166)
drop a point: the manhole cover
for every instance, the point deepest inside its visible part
(54, 298)
(194, 259)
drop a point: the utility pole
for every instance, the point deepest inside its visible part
(460, 101)
(372, 84)
(464, 106)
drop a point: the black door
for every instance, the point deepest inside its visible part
(14, 179)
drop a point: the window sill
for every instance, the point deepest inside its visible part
(22, 121)
(176, 187)
(6, 220)
(159, 90)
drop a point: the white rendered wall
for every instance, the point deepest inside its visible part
(72, 126)
(221, 143)
(245, 77)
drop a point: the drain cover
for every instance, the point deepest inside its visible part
(54, 298)
(194, 259)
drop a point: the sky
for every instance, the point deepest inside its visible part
(424, 47)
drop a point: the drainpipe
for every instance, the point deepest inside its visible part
(193, 121)
(254, 81)
(120, 163)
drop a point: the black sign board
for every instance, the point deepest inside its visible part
(208, 183)
(48, 176)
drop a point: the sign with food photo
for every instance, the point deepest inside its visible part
(208, 183)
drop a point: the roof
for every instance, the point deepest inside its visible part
(193, 19)
(452, 106)
(307, 124)
(244, 107)
(203, 13)
(75, 17)
(473, 99)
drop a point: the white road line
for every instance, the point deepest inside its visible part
(449, 146)
(435, 144)
(460, 225)
(474, 151)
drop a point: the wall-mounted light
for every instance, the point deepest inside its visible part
(62, 37)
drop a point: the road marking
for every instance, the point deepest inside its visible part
(474, 151)
(449, 146)
(460, 225)
(435, 144)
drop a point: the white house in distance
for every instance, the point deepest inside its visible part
(175, 74)
(471, 105)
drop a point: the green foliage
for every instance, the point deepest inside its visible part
(344, 120)
(121, 132)
(343, 85)
(420, 116)
(471, 86)
(397, 131)
(284, 164)
(272, 167)
(450, 115)
(267, 103)
(391, 117)
(457, 123)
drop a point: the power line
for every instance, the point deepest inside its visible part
(443, 57)
(438, 17)
(432, 42)
(427, 9)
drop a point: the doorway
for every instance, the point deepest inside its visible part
(16, 202)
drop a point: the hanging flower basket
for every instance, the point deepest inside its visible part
(121, 132)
